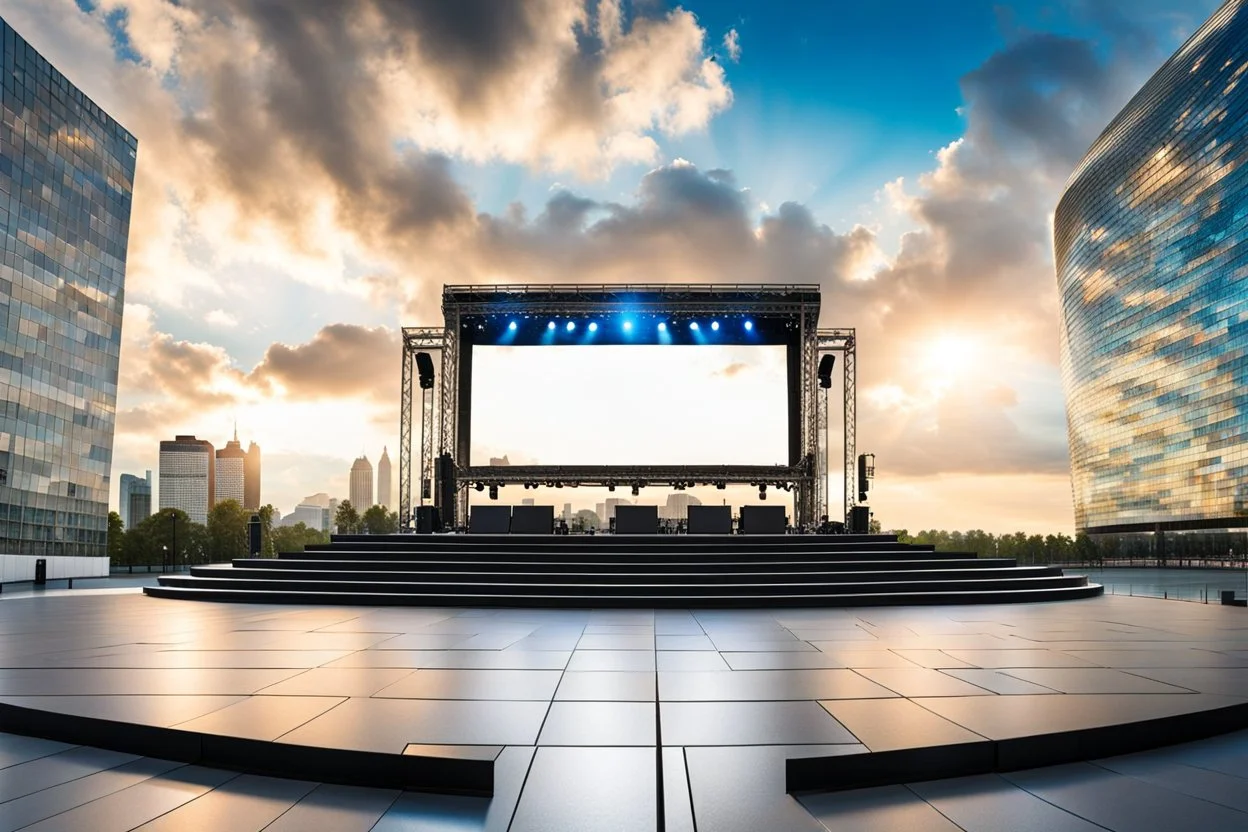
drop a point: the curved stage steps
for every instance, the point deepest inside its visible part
(624, 571)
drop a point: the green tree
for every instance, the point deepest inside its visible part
(116, 538)
(873, 527)
(266, 530)
(169, 535)
(584, 520)
(296, 538)
(227, 532)
(346, 518)
(378, 520)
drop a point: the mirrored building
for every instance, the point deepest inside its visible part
(66, 174)
(1151, 245)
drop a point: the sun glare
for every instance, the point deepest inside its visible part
(949, 357)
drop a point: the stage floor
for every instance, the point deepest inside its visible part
(578, 708)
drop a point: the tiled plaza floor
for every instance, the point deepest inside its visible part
(572, 704)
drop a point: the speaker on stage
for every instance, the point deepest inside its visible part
(859, 519)
(763, 520)
(489, 520)
(426, 519)
(447, 491)
(710, 519)
(424, 369)
(636, 519)
(825, 370)
(532, 519)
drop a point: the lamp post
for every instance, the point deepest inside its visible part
(173, 522)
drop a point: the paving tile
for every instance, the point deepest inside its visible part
(144, 801)
(599, 724)
(920, 681)
(456, 752)
(689, 642)
(15, 750)
(989, 803)
(859, 659)
(162, 711)
(189, 659)
(591, 641)
(1092, 680)
(997, 681)
(886, 807)
(54, 769)
(607, 686)
(737, 645)
(767, 685)
(337, 681)
(423, 641)
(677, 801)
(741, 789)
(1183, 657)
(1225, 681)
(271, 640)
(589, 790)
(750, 723)
(52, 801)
(935, 659)
(335, 809)
(389, 725)
(103, 681)
(466, 659)
(688, 660)
(1018, 658)
(536, 685)
(245, 802)
(1213, 786)
(779, 661)
(1117, 802)
(636, 660)
(889, 724)
(262, 717)
(434, 813)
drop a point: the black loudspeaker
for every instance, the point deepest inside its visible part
(863, 480)
(532, 519)
(825, 370)
(253, 536)
(763, 520)
(489, 520)
(636, 519)
(859, 519)
(424, 369)
(710, 520)
(446, 487)
(426, 519)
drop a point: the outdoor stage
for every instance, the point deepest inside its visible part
(584, 719)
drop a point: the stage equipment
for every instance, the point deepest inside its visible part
(446, 492)
(775, 314)
(825, 370)
(636, 519)
(493, 492)
(532, 519)
(710, 520)
(859, 520)
(763, 520)
(424, 367)
(866, 473)
(426, 519)
(417, 340)
(490, 520)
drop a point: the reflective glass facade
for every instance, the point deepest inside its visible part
(1151, 244)
(66, 174)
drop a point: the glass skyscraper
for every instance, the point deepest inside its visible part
(1151, 244)
(66, 174)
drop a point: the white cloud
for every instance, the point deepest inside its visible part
(219, 317)
(732, 45)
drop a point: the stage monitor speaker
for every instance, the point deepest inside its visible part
(426, 519)
(636, 519)
(424, 369)
(825, 370)
(489, 520)
(710, 520)
(763, 520)
(859, 519)
(447, 491)
(532, 519)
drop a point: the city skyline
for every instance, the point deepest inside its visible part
(920, 197)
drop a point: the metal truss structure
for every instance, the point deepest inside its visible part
(797, 306)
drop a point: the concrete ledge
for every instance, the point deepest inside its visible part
(445, 775)
(16, 568)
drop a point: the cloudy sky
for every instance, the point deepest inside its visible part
(310, 173)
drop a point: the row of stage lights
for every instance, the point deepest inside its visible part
(636, 486)
(629, 326)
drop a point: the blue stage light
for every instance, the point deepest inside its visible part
(550, 325)
(694, 326)
(749, 326)
(715, 326)
(571, 326)
(512, 326)
(662, 327)
(593, 327)
(628, 326)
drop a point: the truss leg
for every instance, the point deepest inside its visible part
(405, 441)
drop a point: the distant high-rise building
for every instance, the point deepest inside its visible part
(135, 501)
(611, 503)
(314, 517)
(601, 510)
(567, 512)
(188, 476)
(66, 175)
(361, 491)
(231, 462)
(384, 482)
(497, 460)
(527, 501)
(251, 477)
(677, 506)
(319, 499)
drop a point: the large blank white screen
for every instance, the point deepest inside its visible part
(630, 405)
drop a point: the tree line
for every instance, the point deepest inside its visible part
(1170, 549)
(170, 537)
(1026, 548)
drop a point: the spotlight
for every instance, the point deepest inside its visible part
(551, 326)
(636, 488)
(512, 326)
(628, 326)
(762, 494)
(715, 326)
(493, 492)
(749, 326)
(694, 326)
(593, 327)
(610, 486)
(558, 485)
(571, 326)
(480, 486)
(662, 327)
(762, 488)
